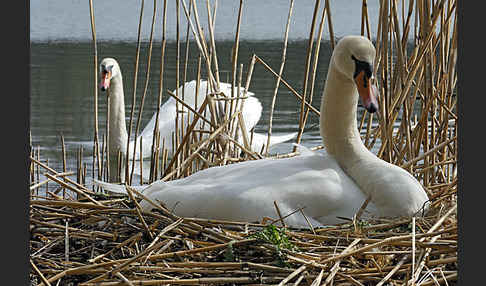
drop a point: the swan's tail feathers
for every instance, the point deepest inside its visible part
(304, 151)
(115, 188)
(260, 140)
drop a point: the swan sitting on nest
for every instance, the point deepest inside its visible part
(326, 187)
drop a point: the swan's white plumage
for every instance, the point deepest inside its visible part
(326, 186)
(248, 189)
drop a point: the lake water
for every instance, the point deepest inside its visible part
(62, 91)
(60, 20)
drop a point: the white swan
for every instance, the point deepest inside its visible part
(111, 78)
(325, 186)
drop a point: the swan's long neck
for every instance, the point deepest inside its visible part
(339, 129)
(118, 131)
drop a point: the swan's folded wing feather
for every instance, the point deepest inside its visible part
(115, 188)
(252, 111)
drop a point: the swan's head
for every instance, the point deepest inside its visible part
(354, 56)
(108, 69)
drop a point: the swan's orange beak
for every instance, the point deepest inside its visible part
(367, 91)
(105, 80)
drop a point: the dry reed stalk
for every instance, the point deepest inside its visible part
(138, 208)
(199, 38)
(135, 77)
(185, 151)
(136, 237)
(37, 185)
(234, 56)
(196, 113)
(282, 64)
(38, 167)
(211, 138)
(42, 277)
(177, 139)
(71, 204)
(78, 191)
(316, 58)
(439, 222)
(329, 24)
(161, 79)
(291, 89)
(189, 129)
(63, 151)
(142, 100)
(79, 166)
(241, 121)
(211, 21)
(81, 187)
(96, 150)
(429, 76)
(234, 62)
(306, 74)
(106, 140)
(335, 267)
(124, 264)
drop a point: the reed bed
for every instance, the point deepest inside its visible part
(110, 242)
(80, 236)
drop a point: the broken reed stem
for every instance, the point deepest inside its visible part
(63, 148)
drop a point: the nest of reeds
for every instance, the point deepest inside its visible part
(109, 241)
(89, 238)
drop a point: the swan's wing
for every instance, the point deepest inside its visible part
(247, 191)
(252, 111)
(115, 188)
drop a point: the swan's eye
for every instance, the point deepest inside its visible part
(106, 69)
(362, 66)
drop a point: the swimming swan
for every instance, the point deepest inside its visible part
(111, 78)
(325, 186)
